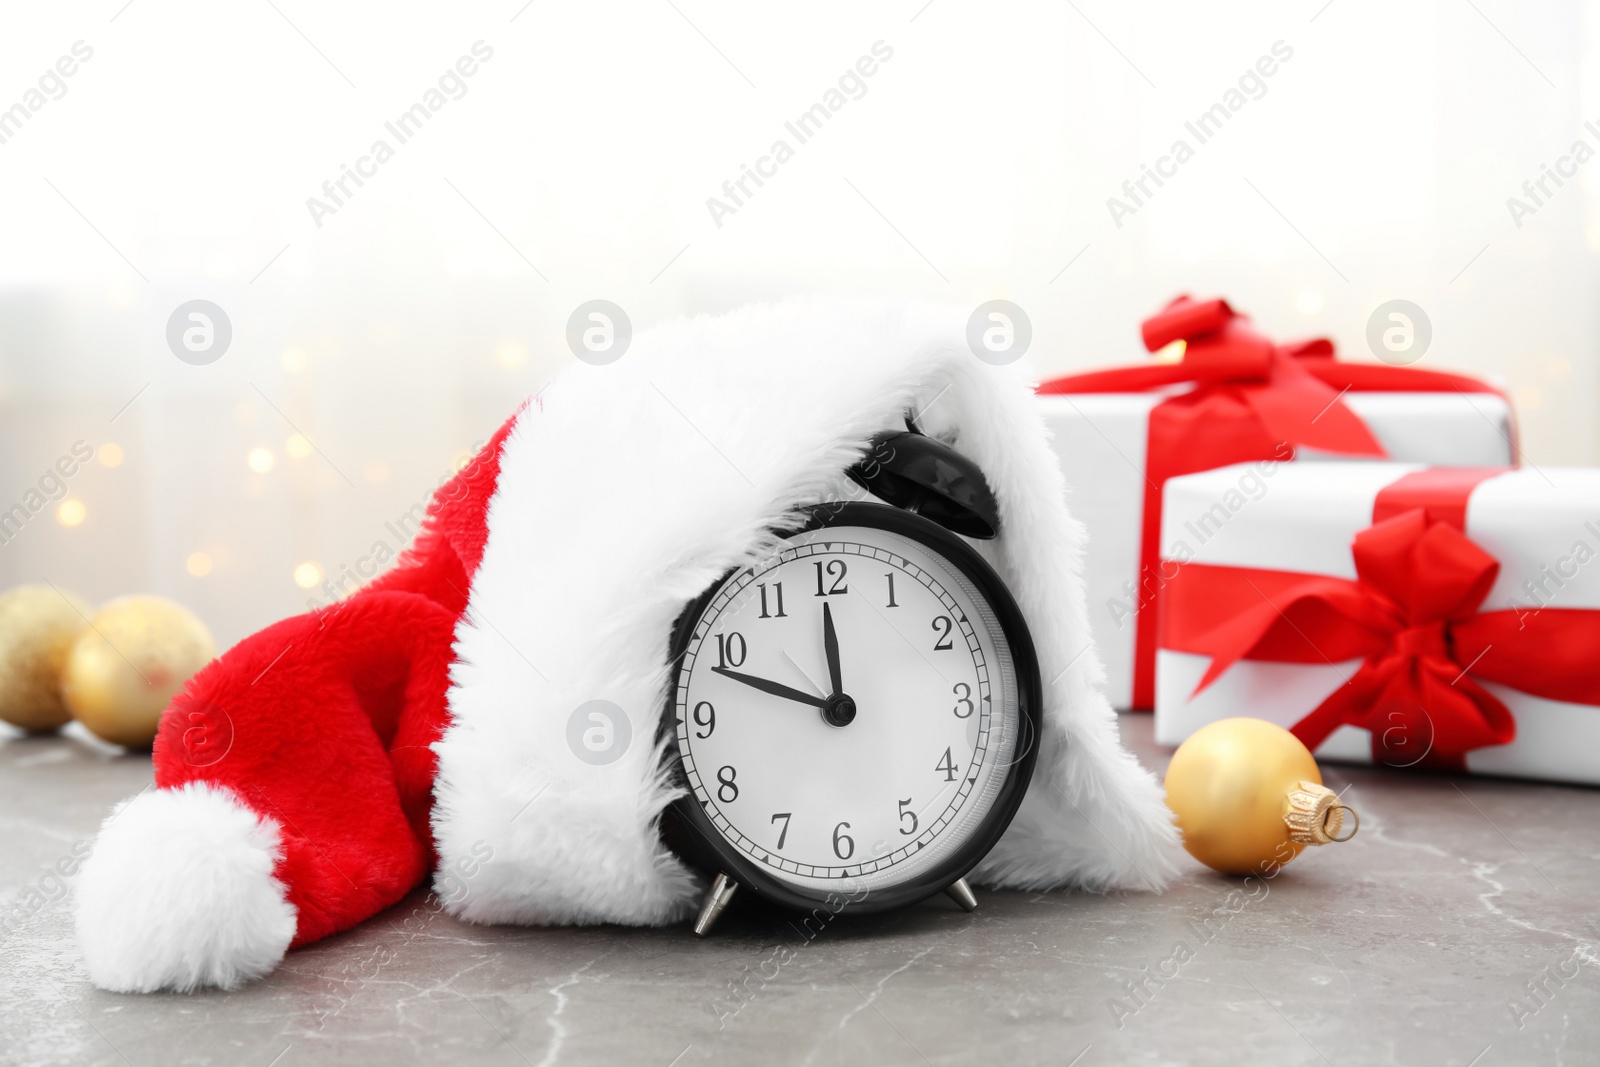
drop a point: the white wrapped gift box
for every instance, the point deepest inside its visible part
(1542, 526)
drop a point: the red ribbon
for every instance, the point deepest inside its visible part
(1412, 616)
(1252, 400)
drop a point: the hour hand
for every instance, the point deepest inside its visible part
(777, 689)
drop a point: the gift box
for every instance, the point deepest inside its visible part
(1393, 613)
(1233, 397)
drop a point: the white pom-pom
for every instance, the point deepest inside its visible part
(179, 894)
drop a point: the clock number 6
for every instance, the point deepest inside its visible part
(904, 814)
(963, 695)
(728, 791)
(844, 846)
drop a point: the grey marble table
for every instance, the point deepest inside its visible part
(1462, 926)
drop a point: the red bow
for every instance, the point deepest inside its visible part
(1412, 616)
(1223, 350)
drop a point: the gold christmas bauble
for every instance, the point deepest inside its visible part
(1249, 797)
(132, 658)
(37, 625)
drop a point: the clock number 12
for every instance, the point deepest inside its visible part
(836, 571)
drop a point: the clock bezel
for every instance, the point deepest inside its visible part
(705, 844)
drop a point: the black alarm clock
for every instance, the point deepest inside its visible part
(852, 721)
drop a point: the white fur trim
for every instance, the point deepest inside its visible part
(627, 489)
(179, 894)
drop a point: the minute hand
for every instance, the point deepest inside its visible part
(777, 689)
(830, 645)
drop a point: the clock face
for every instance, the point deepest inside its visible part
(848, 713)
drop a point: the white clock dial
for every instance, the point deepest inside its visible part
(817, 799)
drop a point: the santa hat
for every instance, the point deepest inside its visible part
(322, 768)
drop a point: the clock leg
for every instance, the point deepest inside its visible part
(717, 898)
(960, 892)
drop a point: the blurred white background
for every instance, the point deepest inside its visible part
(372, 352)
